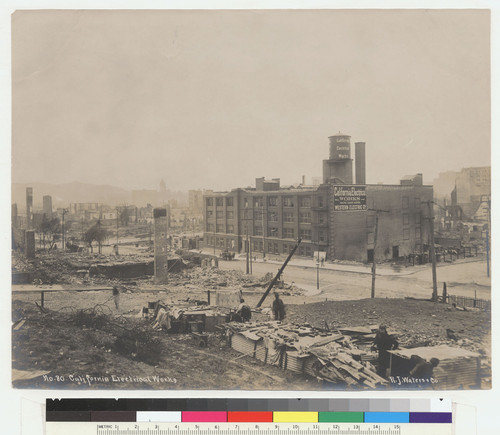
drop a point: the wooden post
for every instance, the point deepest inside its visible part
(43, 298)
(487, 253)
(374, 264)
(433, 251)
(280, 271)
(250, 254)
(247, 249)
(117, 231)
(317, 268)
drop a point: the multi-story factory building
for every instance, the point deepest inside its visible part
(337, 217)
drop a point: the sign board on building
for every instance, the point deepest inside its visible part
(340, 148)
(349, 198)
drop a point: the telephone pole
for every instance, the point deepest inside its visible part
(374, 259)
(263, 231)
(99, 244)
(487, 200)
(433, 250)
(63, 232)
(247, 250)
(374, 262)
(116, 231)
(317, 267)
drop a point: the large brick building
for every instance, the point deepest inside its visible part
(336, 217)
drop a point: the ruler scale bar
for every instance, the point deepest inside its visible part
(94, 428)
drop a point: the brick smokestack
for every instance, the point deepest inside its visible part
(360, 162)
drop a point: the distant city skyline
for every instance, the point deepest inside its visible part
(214, 99)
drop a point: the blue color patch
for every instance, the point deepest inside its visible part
(387, 417)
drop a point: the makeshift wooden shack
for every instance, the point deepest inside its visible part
(458, 368)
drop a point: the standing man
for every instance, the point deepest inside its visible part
(116, 297)
(383, 342)
(278, 307)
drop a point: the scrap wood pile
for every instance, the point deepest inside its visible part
(326, 355)
(184, 318)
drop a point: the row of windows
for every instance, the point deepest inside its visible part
(272, 201)
(288, 201)
(406, 219)
(406, 202)
(219, 228)
(219, 202)
(258, 246)
(274, 248)
(288, 233)
(304, 217)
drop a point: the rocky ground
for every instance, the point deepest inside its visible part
(100, 343)
(80, 340)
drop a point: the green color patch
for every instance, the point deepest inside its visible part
(341, 417)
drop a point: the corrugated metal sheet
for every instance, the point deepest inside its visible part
(457, 373)
(243, 345)
(295, 361)
(261, 351)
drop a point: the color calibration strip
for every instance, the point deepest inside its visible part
(255, 411)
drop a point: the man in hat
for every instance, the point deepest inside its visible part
(278, 307)
(383, 342)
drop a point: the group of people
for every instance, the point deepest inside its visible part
(383, 342)
(244, 313)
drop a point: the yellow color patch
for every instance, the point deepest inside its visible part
(295, 417)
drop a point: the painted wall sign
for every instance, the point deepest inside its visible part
(349, 198)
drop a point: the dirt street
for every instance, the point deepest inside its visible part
(461, 279)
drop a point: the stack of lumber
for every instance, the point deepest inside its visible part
(326, 355)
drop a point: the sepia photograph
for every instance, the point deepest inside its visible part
(289, 200)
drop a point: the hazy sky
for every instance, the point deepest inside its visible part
(211, 99)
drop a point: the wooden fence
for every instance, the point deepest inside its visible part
(467, 302)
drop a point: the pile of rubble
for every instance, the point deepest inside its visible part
(213, 278)
(326, 355)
